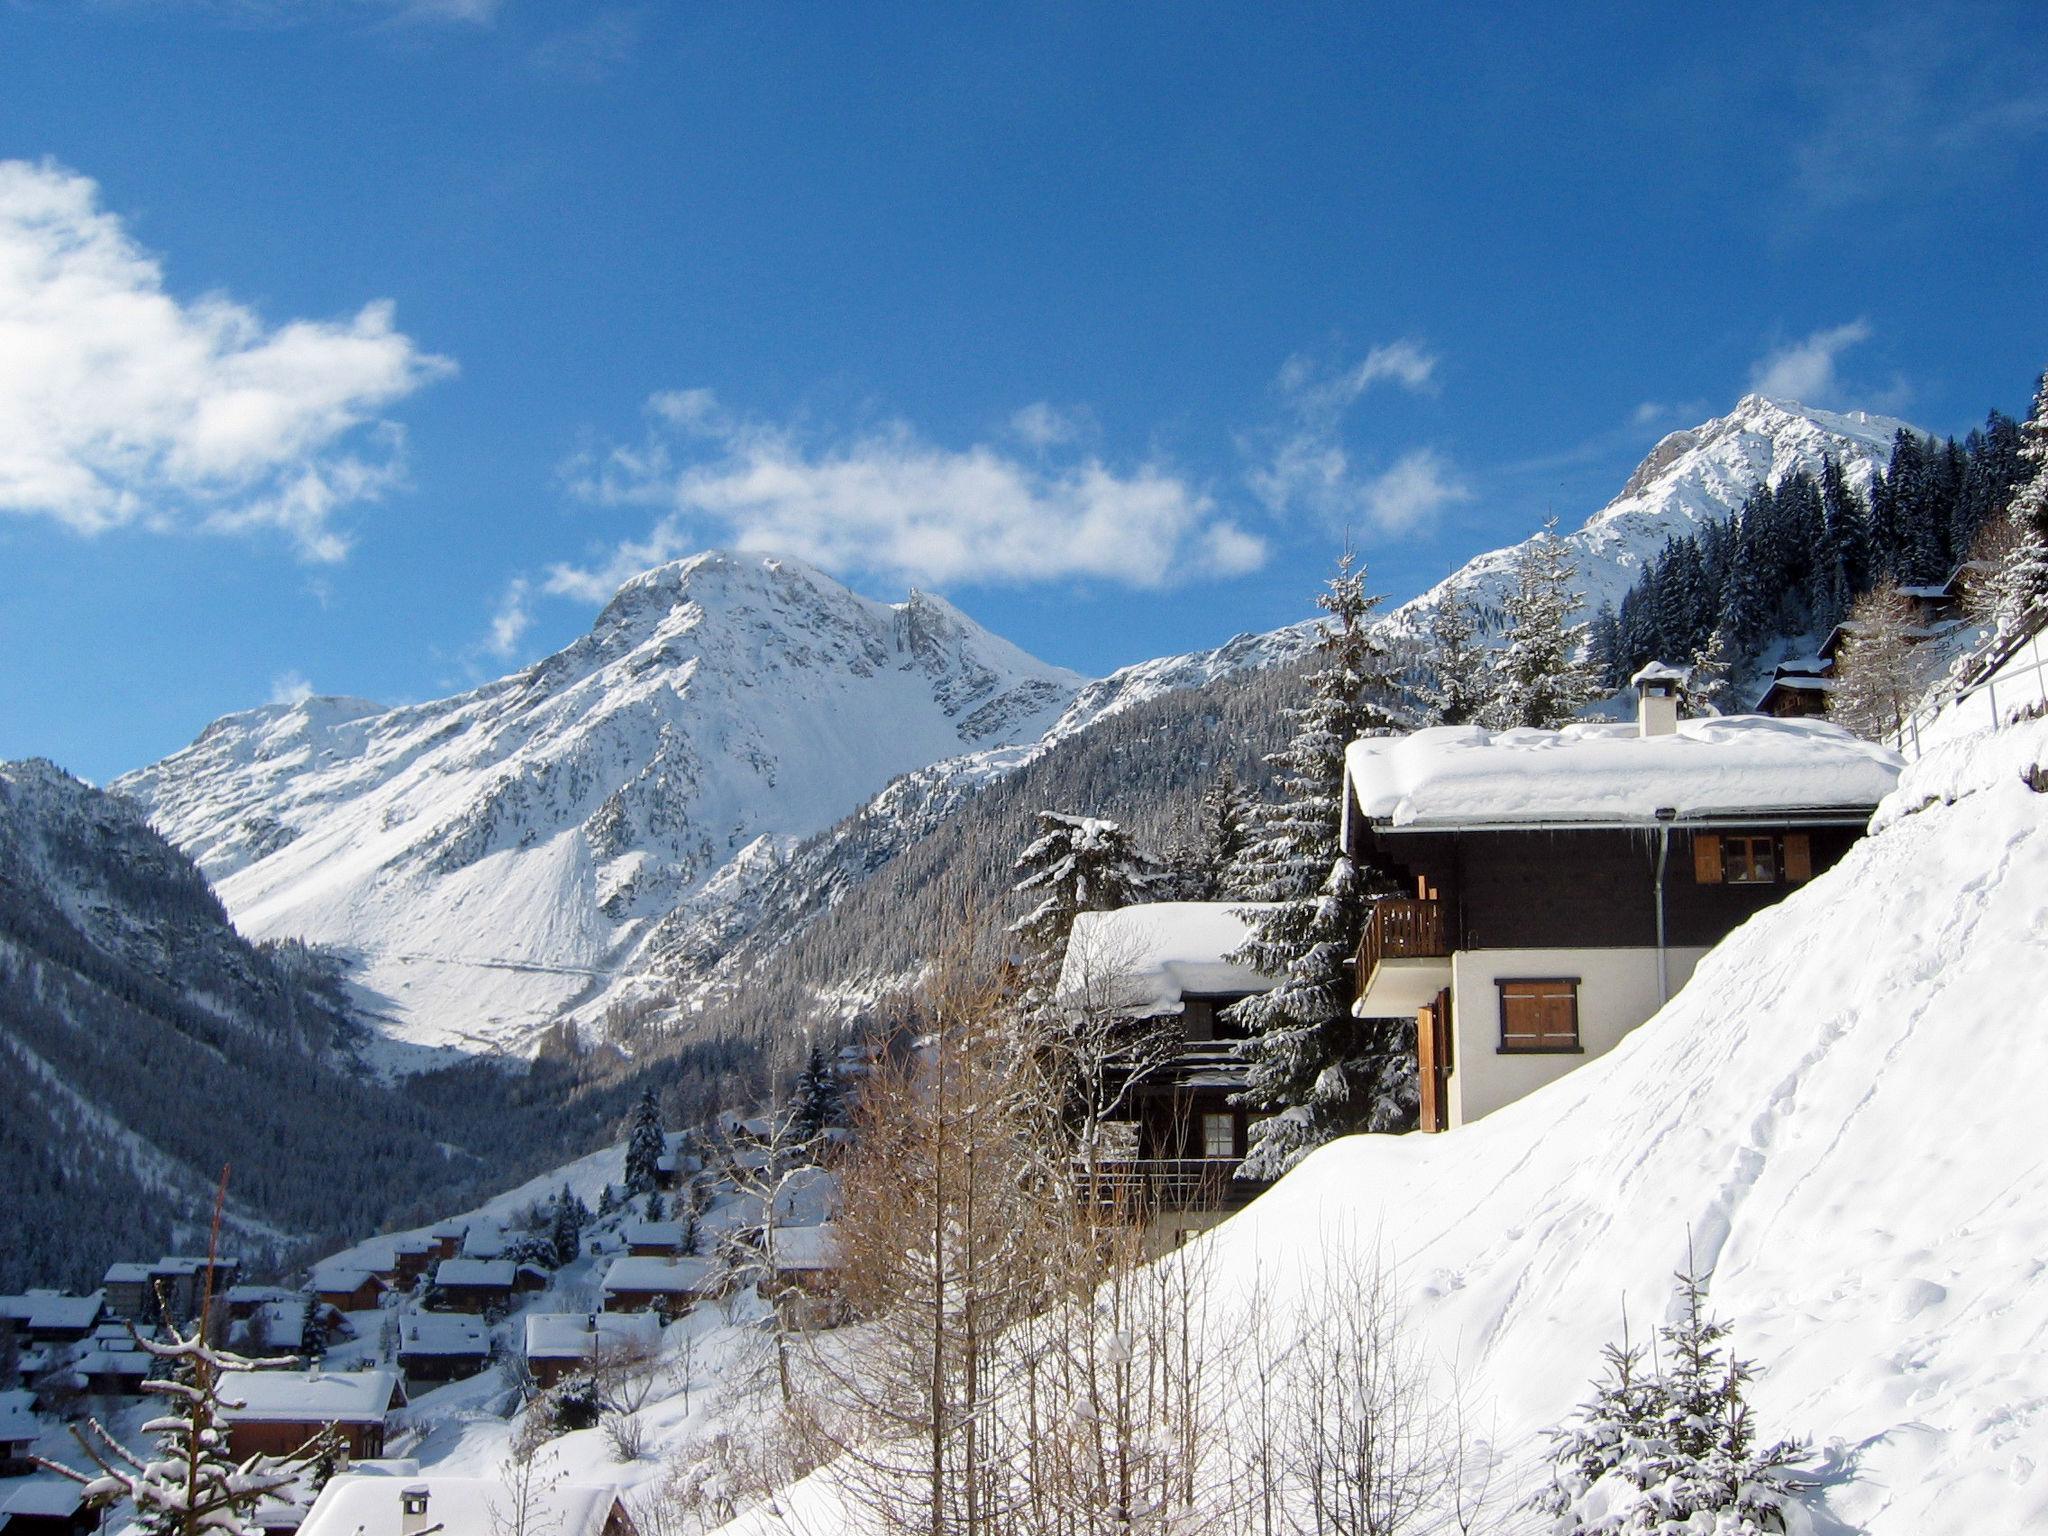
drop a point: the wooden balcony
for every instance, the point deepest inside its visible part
(1143, 1186)
(1405, 934)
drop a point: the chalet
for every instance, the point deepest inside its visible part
(806, 1197)
(52, 1317)
(286, 1326)
(45, 1505)
(474, 1285)
(676, 1162)
(442, 1346)
(19, 1431)
(413, 1256)
(667, 1287)
(111, 1363)
(140, 1292)
(279, 1411)
(244, 1301)
(558, 1344)
(1798, 689)
(387, 1502)
(1565, 883)
(804, 1279)
(1176, 1137)
(653, 1239)
(347, 1287)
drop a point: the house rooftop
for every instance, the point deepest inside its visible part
(1143, 960)
(574, 1335)
(502, 1274)
(806, 1250)
(52, 1310)
(443, 1333)
(311, 1397)
(368, 1503)
(1728, 767)
(673, 1276)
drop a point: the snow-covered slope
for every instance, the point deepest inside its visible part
(490, 856)
(1691, 477)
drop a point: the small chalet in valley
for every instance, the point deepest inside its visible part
(558, 1344)
(664, 1286)
(804, 1282)
(442, 1346)
(475, 1285)
(279, 1411)
(396, 1501)
(137, 1292)
(654, 1239)
(19, 1431)
(347, 1287)
(51, 1317)
(1563, 884)
(1798, 689)
(1175, 1140)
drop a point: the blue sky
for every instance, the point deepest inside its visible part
(360, 344)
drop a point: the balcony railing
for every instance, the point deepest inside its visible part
(1139, 1186)
(1400, 928)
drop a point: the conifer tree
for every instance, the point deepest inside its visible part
(815, 1099)
(1459, 685)
(1323, 1073)
(2021, 585)
(1543, 678)
(646, 1145)
(1077, 864)
(1706, 689)
(565, 1230)
(1226, 810)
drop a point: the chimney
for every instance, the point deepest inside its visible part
(1657, 699)
(412, 1510)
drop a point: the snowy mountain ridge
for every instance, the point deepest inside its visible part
(487, 857)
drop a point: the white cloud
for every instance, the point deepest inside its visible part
(1305, 465)
(1044, 425)
(511, 621)
(1650, 412)
(889, 503)
(1804, 370)
(290, 688)
(1411, 493)
(121, 405)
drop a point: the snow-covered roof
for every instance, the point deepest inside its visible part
(575, 1335)
(18, 1416)
(342, 1277)
(657, 1275)
(654, 1234)
(1660, 672)
(1727, 766)
(803, 1250)
(502, 1273)
(1143, 960)
(357, 1503)
(310, 1397)
(51, 1310)
(806, 1196)
(443, 1333)
(49, 1498)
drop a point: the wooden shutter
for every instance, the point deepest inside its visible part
(1706, 858)
(1798, 856)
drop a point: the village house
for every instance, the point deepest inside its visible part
(347, 1287)
(475, 1285)
(559, 1344)
(1170, 1148)
(284, 1326)
(676, 1162)
(45, 1506)
(277, 1412)
(442, 1346)
(1798, 689)
(19, 1431)
(140, 1292)
(110, 1364)
(653, 1239)
(412, 1257)
(394, 1501)
(51, 1317)
(1557, 887)
(803, 1282)
(667, 1287)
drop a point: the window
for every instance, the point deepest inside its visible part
(1219, 1135)
(1749, 860)
(1539, 1015)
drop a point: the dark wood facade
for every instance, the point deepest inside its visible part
(1591, 888)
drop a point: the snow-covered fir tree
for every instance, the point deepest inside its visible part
(1323, 1073)
(815, 1100)
(1185, 873)
(1671, 1451)
(1706, 689)
(1460, 680)
(1542, 678)
(2021, 584)
(565, 1228)
(186, 1484)
(1077, 864)
(646, 1144)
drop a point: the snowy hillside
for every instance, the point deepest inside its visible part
(491, 856)
(1691, 477)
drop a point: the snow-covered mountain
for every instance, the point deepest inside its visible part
(1691, 477)
(489, 857)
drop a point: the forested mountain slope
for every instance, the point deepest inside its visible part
(144, 1043)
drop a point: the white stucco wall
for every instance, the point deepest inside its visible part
(1617, 991)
